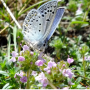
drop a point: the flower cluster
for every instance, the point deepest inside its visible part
(42, 79)
(67, 73)
(49, 68)
(22, 76)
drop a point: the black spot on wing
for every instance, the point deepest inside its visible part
(48, 20)
(39, 23)
(42, 15)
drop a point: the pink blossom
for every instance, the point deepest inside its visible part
(39, 62)
(70, 83)
(23, 79)
(70, 60)
(25, 47)
(14, 54)
(40, 57)
(42, 79)
(79, 10)
(87, 58)
(21, 58)
(51, 64)
(31, 52)
(67, 73)
(48, 71)
(19, 74)
(13, 59)
(34, 73)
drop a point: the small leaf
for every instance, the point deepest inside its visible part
(4, 73)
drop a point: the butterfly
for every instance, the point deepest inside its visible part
(39, 25)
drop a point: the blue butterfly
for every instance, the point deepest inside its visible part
(39, 25)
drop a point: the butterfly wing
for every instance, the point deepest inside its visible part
(59, 14)
(48, 12)
(32, 26)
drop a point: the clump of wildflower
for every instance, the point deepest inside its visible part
(67, 73)
(14, 54)
(42, 79)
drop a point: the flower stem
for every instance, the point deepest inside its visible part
(27, 86)
(52, 85)
(84, 67)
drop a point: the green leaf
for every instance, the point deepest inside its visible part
(6, 86)
(79, 22)
(4, 73)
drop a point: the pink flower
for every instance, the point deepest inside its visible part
(67, 73)
(87, 58)
(23, 79)
(48, 71)
(70, 60)
(13, 59)
(34, 73)
(51, 64)
(70, 83)
(31, 52)
(79, 10)
(21, 58)
(25, 47)
(42, 79)
(40, 57)
(39, 62)
(14, 54)
(19, 74)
